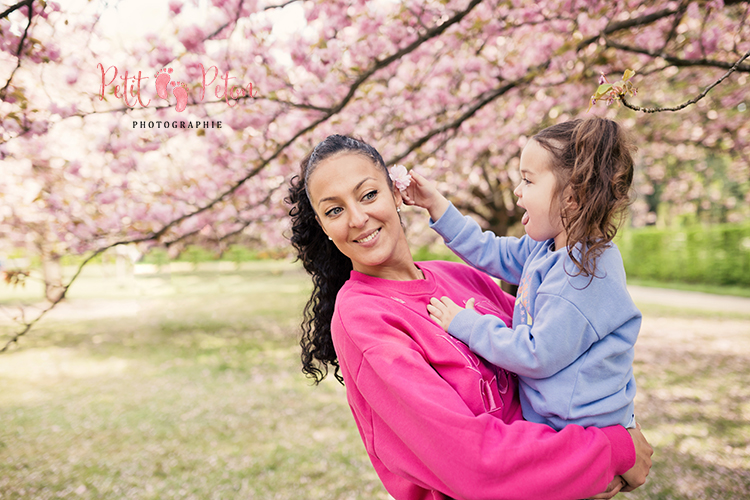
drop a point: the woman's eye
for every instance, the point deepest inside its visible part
(371, 195)
(333, 211)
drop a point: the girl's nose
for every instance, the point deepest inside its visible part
(517, 191)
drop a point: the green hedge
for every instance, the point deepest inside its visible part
(714, 255)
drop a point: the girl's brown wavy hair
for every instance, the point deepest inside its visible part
(592, 160)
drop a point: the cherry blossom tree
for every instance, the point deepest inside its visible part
(191, 134)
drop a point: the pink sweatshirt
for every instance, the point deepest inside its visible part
(437, 421)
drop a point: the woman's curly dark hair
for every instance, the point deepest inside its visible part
(594, 158)
(328, 267)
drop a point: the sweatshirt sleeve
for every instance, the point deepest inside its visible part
(501, 257)
(560, 334)
(420, 429)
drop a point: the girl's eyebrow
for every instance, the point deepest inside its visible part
(359, 184)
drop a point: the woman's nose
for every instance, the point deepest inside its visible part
(357, 217)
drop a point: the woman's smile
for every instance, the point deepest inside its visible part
(369, 237)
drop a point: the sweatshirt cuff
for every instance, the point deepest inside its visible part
(623, 450)
(449, 224)
(463, 323)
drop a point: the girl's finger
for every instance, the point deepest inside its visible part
(447, 302)
(416, 177)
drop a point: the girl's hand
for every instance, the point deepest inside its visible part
(444, 310)
(423, 193)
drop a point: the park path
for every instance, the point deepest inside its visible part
(696, 301)
(691, 322)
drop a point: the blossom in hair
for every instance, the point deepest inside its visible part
(400, 176)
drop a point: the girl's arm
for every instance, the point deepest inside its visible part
(500, 257)
(559, 336)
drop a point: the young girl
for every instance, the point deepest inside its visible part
(574, 323)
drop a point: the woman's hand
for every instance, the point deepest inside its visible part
(444, 310)
(423, 193)
(636, 476)
(612, 489)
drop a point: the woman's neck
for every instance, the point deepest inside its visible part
(399, 267)
(401, 272)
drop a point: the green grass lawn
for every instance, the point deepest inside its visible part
(195, 395)
(187, 385)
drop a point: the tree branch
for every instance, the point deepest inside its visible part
(691, 101)
(676, 61)
(25, 3)
(626, 24)
(675, 23)
(470, 112)
(239, 11)
(280, 6)
(4, 90)
(242, 221)
(196, 103)
(30, 324)
(225, 25)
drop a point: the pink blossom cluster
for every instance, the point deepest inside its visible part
(452, 90)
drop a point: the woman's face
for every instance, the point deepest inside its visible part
(357, 209)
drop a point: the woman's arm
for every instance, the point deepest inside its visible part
(419, 428)
(637, 474)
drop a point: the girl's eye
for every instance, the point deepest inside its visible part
(371, 195)
(333, 211)
(526, 180)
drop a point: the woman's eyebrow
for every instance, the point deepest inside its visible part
(362, 182)
(359, 184)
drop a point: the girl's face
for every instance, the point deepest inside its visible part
(357, 209)
(542, 219)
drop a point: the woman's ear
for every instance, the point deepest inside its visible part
(397, 197)
(321, 225)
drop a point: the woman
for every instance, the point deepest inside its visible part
(436, 421)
